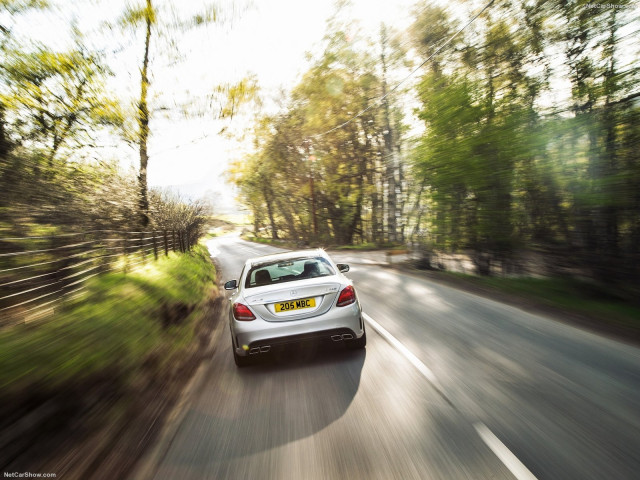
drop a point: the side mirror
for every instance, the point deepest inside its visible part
(343, 267)
(231, 285)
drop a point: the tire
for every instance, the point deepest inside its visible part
(240, 360)
(358, 343)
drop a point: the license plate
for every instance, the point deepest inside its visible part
(295, 305)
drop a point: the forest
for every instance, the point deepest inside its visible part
(490, 129)
(518, 131)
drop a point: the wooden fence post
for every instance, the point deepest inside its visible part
(166, 246)
(155, 246)
(102, 251)
(126, 252)
(141, 247)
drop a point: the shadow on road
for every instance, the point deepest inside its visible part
(285, 397)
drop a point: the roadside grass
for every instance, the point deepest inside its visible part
(363, 246)
(368, 246)
(603, 303)
(121, 323)
(267, 241)
(276, 243)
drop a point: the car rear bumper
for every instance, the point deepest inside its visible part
(259, 336)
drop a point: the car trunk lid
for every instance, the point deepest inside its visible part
(298, 301)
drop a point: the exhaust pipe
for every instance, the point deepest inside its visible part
(336, 338)
(347, 336)
(263, 349)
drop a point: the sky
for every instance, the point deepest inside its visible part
(268, 39)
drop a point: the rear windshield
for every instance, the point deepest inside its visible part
(287, 271)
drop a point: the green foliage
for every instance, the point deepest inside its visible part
(55, 99)
(136, 15)
(160, 21)
(210, 14)
(314, 178)
(233, 96)
(18, 6)
(36, 194)
(507, 160)
(611, 306)
(71, 196)
(115, 332)
(501, 168)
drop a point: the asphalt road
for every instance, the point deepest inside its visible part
(450, 386)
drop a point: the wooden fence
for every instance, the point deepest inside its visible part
(37, 273)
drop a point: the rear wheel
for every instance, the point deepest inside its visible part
(358, 343)
(240, 360)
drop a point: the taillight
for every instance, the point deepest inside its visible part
(347, 296)
(242, 313)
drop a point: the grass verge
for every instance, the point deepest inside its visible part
(367, 246)
(117, 324)
(87, 366)
(289, 244)
(602, 307)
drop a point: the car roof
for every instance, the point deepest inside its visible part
(274, 257)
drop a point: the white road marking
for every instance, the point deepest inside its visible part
(415, 361)
(509, 460)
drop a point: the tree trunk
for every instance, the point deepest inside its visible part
(268, 198)
(389, 150)
(400, 190)
(376, 211)
(143, 122)
(5, 145)
(285, 209)
(359, 158)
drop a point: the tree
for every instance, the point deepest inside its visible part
(161, 21)
(53, 99)
(13, 7)
(603, 86)
(391, 141)
(478, 107)
(320, 154)
(133, 17)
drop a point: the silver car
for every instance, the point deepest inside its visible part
(290, 298)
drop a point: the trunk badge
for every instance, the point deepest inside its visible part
(293, 292)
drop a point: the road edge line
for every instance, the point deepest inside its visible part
(406, 353)
(508, 459)
(515, 466)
